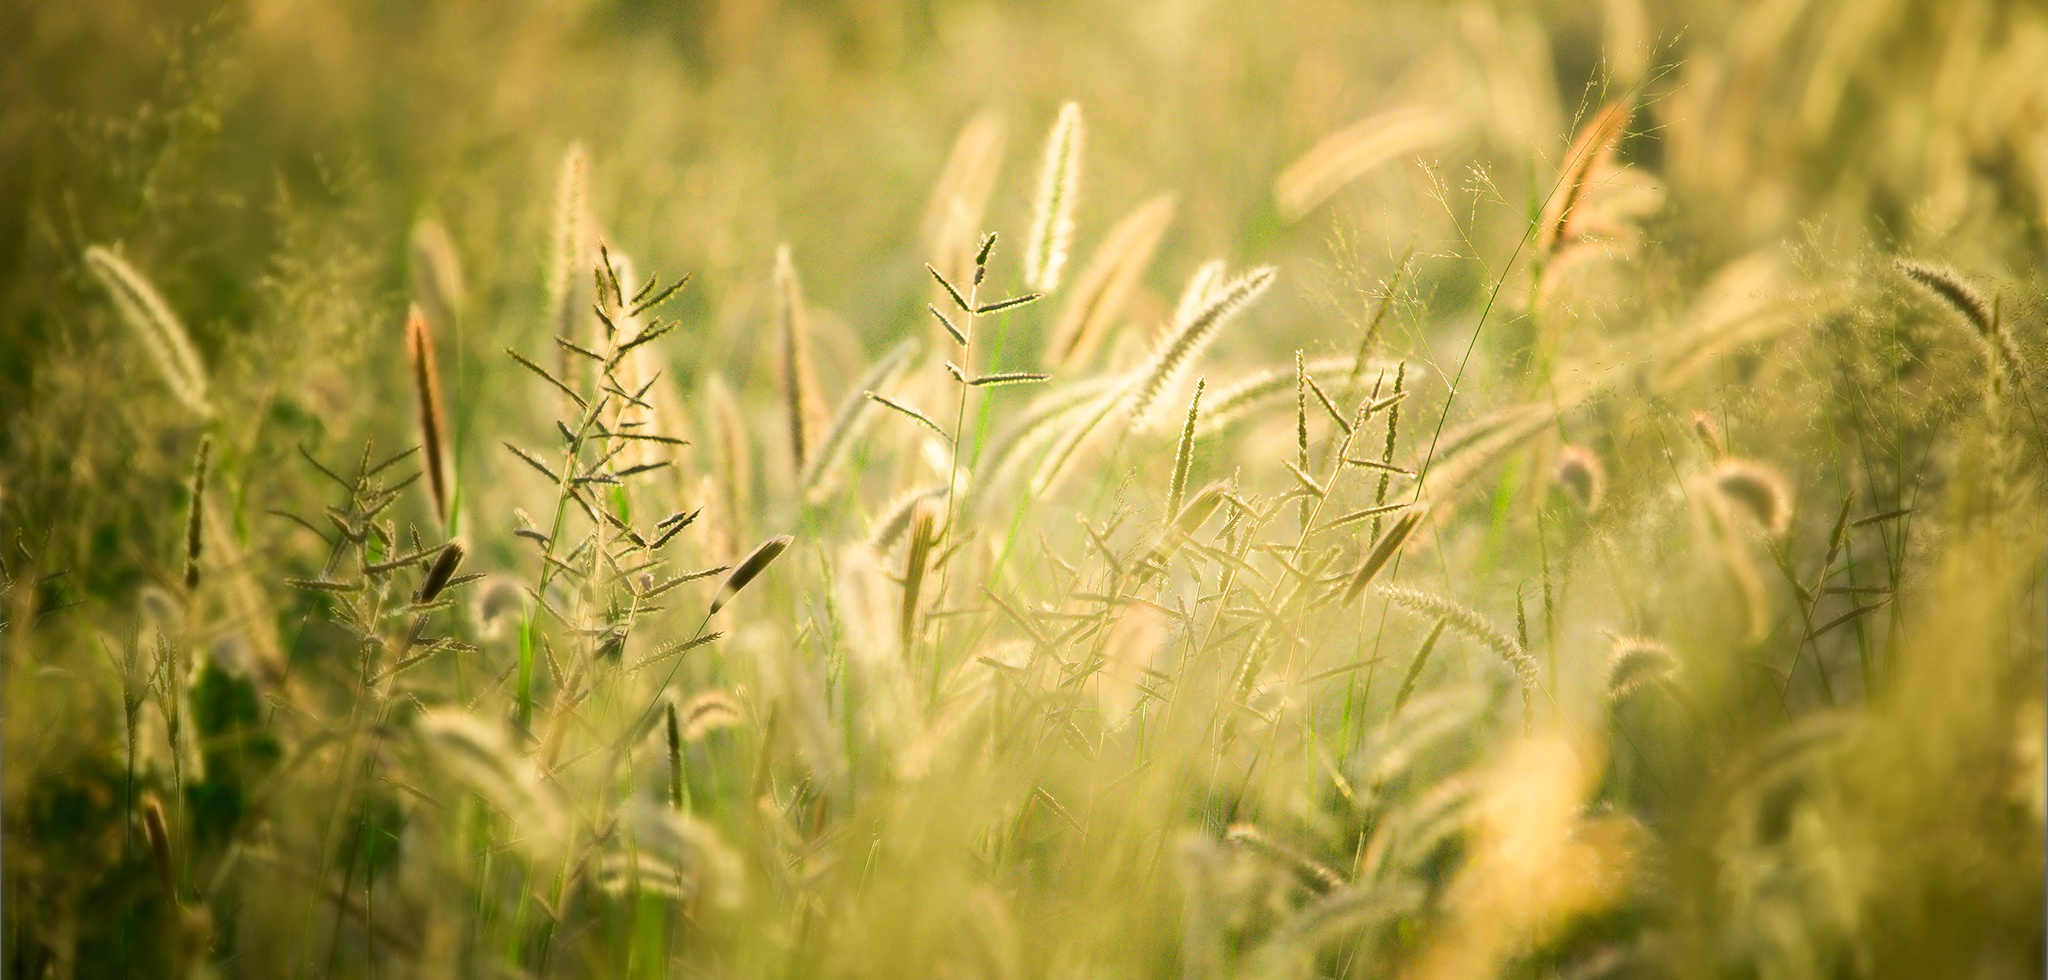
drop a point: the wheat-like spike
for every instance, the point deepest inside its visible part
(1002, 378)
(1199, 288)
(1099, 295)
(1190, 338)
(1035, 416)
(1318, 877)
(1591, 150)
(1052, 222)
(1950, 288)
(1330, 407)
(853, 408)
(1066, 443)
(426, 383)
(1486, 442)
(1305, 506)
(193, 515)
(1469, 622)
(709, 712)
(146, 313)
(799, 378)
(750, 569)
(1184, 452)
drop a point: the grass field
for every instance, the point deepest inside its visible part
(903, 488)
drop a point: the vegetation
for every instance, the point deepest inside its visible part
(888, 489)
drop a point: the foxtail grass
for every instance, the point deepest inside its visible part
(161, 333)
(1100, 295)
(799, 378)
(1052, 221)
(1191, 335)
(426, 380)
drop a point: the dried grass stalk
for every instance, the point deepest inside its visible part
(1184, 452)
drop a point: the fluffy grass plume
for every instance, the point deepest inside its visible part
(1191, 335)
(1470, 622)
(437, 273)
(959, 200)
(1052, 211)
(800, 399)
(150, 317)
(1100, 295)
(1352, 152)
(852, 410)
(1030, 688)
(568, 241)
(1590, 151)
(1757, 491)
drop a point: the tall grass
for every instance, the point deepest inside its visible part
(1647, 576)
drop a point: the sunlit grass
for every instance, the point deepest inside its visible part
(964, 490)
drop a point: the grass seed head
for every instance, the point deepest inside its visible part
(161, 333)
(1052, 223)
(750, 569)
(1635, 662)
(1757, 490)
(1584, 480)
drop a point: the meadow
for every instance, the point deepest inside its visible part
(905, 488)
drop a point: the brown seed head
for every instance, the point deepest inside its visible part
(1579, 472)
